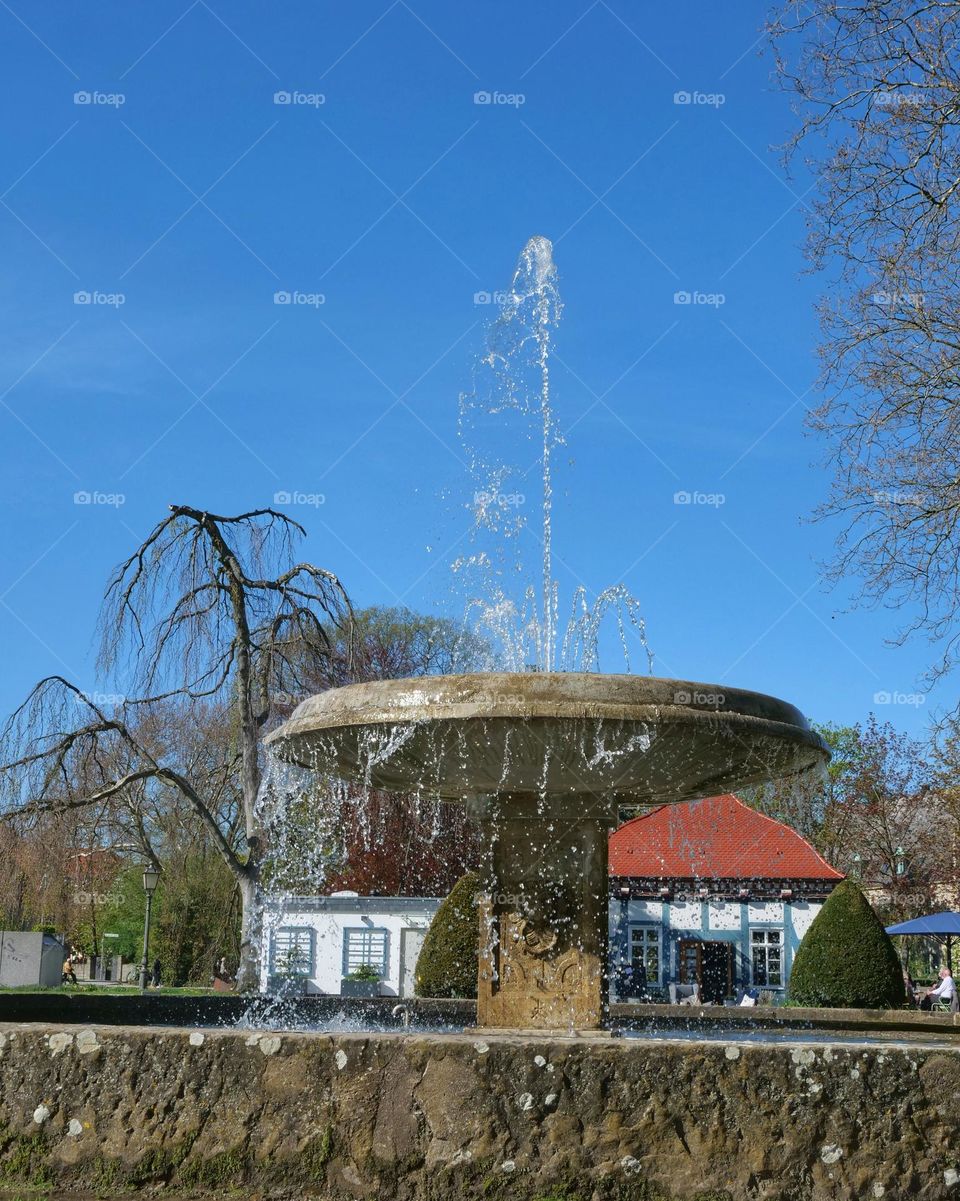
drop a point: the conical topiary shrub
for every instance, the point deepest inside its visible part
(846, 959)
(447, 966)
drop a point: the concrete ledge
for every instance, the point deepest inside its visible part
(167, 1009)
(162, 1009)
(388, 1117)
(787, 1017)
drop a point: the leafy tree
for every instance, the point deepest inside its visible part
(810, 803)
(447, 965)
(393, 642)
(877, 814)
(847, 960)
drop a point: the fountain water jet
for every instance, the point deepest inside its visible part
(510, 406)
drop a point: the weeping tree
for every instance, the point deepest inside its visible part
(208, 613)
(876, 85)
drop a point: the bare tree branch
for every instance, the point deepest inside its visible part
(877, 91)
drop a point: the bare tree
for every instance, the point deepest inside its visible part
(877, 85)
(209, 611)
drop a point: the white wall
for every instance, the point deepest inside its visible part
(328, 930)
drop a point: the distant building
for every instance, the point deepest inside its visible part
(708, 892)
(317, 941)
(711, 893)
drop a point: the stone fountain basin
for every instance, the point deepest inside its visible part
(640, 737)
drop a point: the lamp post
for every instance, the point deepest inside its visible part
(150, 878)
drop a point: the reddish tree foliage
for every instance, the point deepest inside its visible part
(398, 846)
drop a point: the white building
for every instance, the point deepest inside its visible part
(320, 940)
(708, 893)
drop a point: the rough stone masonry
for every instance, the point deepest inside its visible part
(346, 1117)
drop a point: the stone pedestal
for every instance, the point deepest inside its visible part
(544, 919)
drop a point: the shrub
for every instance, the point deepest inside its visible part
(846, 959)
(366, 973)
(447, 966)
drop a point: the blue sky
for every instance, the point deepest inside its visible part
(146, 158)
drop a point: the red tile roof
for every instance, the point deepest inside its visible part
(715, 838)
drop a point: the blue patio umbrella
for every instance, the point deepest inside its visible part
(934, 925)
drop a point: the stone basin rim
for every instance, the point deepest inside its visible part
(560, 696)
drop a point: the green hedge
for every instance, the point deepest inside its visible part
(447, 966)
(847, 959)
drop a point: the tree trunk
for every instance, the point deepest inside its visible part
(251, 929)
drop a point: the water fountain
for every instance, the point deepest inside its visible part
(544, 757)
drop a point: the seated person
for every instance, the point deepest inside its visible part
(944, 991)
(910, 987)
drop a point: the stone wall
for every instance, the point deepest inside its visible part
(455, 1117)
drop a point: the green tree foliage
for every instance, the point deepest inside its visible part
(195, 918)
(393, 642)
(846, 959)
(447, 966)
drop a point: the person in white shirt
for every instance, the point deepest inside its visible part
(944, 991)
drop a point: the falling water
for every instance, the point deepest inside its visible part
(510, 406)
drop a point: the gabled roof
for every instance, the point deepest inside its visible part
(717, 838)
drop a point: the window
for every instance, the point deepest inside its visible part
(766, 954)
(644, 950)
(365, 947)
(293, 951)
